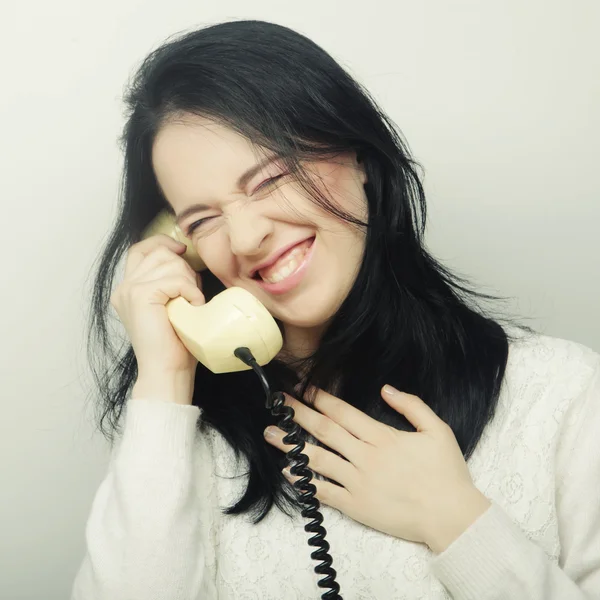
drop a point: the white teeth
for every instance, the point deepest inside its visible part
(284, 272)
(291, 263)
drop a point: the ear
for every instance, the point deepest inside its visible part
(360, 165)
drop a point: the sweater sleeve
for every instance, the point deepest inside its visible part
(494, 560)
(150, 532)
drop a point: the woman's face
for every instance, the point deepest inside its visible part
(261, 232)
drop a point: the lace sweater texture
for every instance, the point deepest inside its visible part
(156, 531)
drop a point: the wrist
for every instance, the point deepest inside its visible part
(176, 387)
(459, 512)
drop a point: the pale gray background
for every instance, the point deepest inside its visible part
(499, 102)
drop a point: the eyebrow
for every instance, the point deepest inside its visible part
(242, 182)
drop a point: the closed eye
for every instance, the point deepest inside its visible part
(200, 222)
(269, 182)
(197, 224)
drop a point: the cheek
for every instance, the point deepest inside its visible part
(354, 202)
(351, 254)
(217, 256)
(345, 188)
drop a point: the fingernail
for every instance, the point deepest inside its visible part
(389, 390)
(269, 433)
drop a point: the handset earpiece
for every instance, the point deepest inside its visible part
(165, 223)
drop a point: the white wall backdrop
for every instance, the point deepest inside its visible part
(499, 102)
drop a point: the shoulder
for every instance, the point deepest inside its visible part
(547, 384)
(537, 360)
(549, 406)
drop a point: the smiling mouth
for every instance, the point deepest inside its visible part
(286, 265)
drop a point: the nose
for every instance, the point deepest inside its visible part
(248, 230)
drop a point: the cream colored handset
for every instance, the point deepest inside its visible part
(232, 319)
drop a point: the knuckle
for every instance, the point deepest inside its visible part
(186, 269)
(184, 280)
(324, 495)
(315, 459)
(447, 429)
(161, 252)
(336, 408)
(329, 493)
(133, 248)
(322, 430)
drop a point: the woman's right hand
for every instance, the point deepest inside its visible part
(154, 274)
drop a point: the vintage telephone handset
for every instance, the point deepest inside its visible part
(235, 332)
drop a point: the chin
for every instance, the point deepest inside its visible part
(305, 322)
(312, 309)
(305, 318)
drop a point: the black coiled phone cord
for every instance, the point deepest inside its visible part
(306, 490)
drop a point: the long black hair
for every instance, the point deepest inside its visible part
(407, 321)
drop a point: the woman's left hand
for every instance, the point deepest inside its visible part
(412, 485)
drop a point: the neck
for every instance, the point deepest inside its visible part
(300, 342)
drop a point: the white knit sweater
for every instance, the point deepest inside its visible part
(156, 531)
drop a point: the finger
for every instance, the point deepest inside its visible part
(171, 287)
(327, 493)
(160, 259)
(167, 277)
(327, 431)
(320, 460)
(140, 250)
(347, 416)
(413, 408)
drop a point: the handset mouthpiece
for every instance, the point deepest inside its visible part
(232, 319)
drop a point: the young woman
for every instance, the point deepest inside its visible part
(454, 457)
